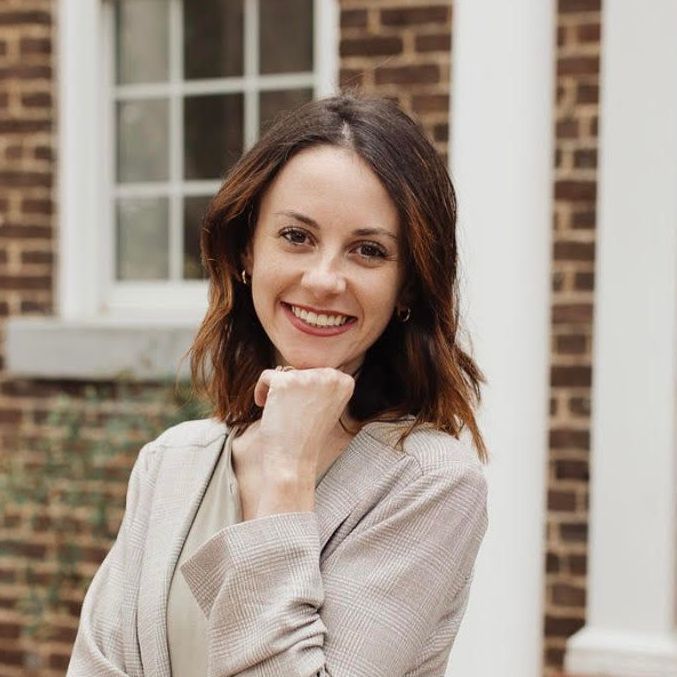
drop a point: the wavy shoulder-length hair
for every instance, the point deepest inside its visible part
(415, 369)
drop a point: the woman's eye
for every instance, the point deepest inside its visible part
(372, 251)
(291, 233)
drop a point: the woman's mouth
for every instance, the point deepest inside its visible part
(318, 325)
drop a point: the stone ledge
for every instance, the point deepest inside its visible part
(102, 348)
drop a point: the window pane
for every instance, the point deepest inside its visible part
(286, 36)
(143, 140)
(213, 38)
(193, 211)
(273, 103)
(213, 140)
(142, 239)
(141, 41)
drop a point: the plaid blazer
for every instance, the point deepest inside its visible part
(373, 582)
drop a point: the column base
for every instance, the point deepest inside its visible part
(616, 653)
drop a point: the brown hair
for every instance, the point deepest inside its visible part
(415, 368)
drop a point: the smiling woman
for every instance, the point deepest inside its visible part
(326, 519)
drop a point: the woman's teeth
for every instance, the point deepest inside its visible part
(316, 320)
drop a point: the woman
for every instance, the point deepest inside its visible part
(326, 519)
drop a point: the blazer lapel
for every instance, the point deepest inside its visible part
(182, 480)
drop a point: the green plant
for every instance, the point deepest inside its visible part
(65, 471)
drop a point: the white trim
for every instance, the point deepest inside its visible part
(86, 194)
(326, 35)
(501, 153)
(631, 585)
(79, 158)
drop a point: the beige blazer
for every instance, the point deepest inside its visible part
(373, 582)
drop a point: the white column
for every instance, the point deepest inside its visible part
(631, 578)
(502, 165)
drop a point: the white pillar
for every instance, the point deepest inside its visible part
(631, 575)
(501, 158)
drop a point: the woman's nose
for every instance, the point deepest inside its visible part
(324, 278)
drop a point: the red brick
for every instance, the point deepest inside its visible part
(578, 564)
(43, 153)
(37, 100)
(433, 42)
(25, 282)
(34, 206)
(571, 470)
(566, 438)
(35, 46)
(569, 250)
(568, 6)
(574, 532)
(572, 313)
(588, 33)
(578, 65)
(25, 179)
(584, 281)
(14, 126)
(408, 75)
(411, 16)
(441, 132)
(583, 220)
(566, 129)
(552, 563)
(9, 631)
(575, 344)
(586, 158)
(430, 103)
(353, 18)
(575, 190)
(562, 626)
(28, 17)
(579, 406)
(36, 257)
(24, 231)
(349, 77)
(24, 72)
(587, 93)
(570, 376)
(373, 45)
(561, 501)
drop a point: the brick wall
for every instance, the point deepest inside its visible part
(578, 54)
(396, 48)
(400, 49)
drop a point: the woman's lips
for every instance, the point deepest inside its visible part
(316, 331)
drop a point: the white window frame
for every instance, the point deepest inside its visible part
(86, 306)
(86, 282)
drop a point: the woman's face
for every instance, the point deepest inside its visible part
(327, 241)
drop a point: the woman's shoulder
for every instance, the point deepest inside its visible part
(429, 447)
(197, 433)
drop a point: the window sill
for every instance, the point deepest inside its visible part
(101, 348)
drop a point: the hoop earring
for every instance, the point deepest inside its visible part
(244, 277)
(403, 317)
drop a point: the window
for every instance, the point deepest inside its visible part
(157, 98)
(193, 84)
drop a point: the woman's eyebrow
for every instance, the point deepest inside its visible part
(313, 224)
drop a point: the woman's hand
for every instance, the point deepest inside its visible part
(301, 408)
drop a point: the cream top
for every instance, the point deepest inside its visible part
(186, 623)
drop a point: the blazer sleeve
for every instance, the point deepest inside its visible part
(99, 648)
(396, 586)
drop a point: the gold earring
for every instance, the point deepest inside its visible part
(403, 317)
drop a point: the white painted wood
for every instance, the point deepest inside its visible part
(79, 200)
(631, 615)
(86, 176)
(501, 157)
